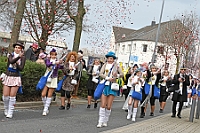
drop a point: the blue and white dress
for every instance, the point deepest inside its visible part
(107, 90)
(136, 87)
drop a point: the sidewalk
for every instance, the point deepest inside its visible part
(162, 124)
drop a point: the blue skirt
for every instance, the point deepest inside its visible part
(131, 92)
(107, 91)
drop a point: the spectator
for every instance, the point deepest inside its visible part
(41, 58)
(80, 53)
(180, 81)
(30, 53)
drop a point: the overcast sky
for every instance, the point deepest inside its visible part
(135, 14)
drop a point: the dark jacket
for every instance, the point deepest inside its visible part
(90, 84)
(176, 96)
(13, 61)
(30, 55)
(163, 88)
(149, 75)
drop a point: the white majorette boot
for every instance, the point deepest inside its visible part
(106, 118)
(129, 112)
(102, 112)
(44, 99)
(46, 106)
(134, 114)
(6, 104)
(11, 107)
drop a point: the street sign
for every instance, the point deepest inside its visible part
(134, 58)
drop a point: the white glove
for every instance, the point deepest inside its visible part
(107, 78)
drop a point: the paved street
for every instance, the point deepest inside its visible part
(77, 119)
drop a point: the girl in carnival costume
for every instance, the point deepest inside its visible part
(93, 80)
(72, 74)
(12, 81)
(108, 94)
(164, 83)
(136, 82)
(153, 77)
(53, 65)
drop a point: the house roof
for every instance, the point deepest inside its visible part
(120, 33)
(148, 33)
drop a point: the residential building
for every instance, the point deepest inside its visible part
(27, 40)
(137, 46)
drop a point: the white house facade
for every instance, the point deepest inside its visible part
(138, 46)
(137, 52)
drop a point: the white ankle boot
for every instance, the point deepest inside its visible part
(11, 107)
(129, 112)
(102, 112)
(6, 104)
(44, 99)
(46, 106)
(106, 118)
(134, 114)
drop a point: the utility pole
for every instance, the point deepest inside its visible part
(130, 53)
(157, 34)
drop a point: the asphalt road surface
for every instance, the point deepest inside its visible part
(78, 119)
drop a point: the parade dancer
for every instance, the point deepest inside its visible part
(70, 70)
(128, 84)
(164, 82)
(52, 65)
(189, 91)
(153, 77)
(108, 94)
(136, 82)
(93, 80)
(12, 81)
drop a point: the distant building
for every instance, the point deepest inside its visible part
(27, 40)
(136, 46)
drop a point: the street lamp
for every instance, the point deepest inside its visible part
(157, 34)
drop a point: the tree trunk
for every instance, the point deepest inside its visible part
(43, 39)
(177, 64)
(77, 36)
(78, 19)
(17, 23)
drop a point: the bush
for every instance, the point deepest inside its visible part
(30, 77)
(82, 91)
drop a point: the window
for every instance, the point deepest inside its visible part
(144, 48)
(160, 50)
(123, 48)
(129, 48)
(134, 46)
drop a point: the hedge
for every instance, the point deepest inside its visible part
(30, 77)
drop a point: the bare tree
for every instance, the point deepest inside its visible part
(44, 18)
(7, 14)
(180, 35)
(17, 23)
(76, 13)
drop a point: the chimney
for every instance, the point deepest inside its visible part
(153, 23)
